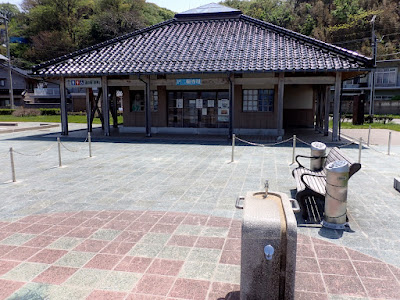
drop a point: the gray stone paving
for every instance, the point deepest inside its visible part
(190, 178)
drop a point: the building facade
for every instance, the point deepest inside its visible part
(210, 70)
(386, 91)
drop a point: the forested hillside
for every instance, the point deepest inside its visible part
(345, 23)
(52, 28)
(56, 27)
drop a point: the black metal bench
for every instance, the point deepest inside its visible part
(312, 183)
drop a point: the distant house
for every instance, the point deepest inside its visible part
(22, 83)
(387, 88)
(210, 70)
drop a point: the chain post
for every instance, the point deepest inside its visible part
(389, 142)
(369, 135)
(90, 144)
(12, 165)
(59, 152)
(294, 148)
(233, 147)
(359, 150)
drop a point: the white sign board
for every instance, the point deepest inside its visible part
(199, 103)
(83, 82)
(179, 103)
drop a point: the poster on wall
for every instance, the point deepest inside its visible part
(204, 111)
(199, 103)
(223, 103)
(210, 103)
(223, 114)
(192, 103)
(179, 103)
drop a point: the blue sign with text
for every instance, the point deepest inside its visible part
(188, 81)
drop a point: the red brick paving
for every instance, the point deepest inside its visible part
(106, 295)
(20, 253)
(134, 264)
(154, 285)
(190, 289)
(41, 241)
(119, 248)
(47, 256)
(55, 275)
(165, 267)
(344, 285)
(183, 240)
(230, 257)
(8, 287)
(323, 268)
(91, 246)
(104, 261)
(210, 242)
(140, 226)
(7, 265)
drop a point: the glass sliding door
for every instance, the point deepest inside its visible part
(198, 109)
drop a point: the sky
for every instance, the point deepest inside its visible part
(174, 5)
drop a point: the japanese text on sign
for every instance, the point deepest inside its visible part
(188, 81)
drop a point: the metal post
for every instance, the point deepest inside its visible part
(369, 134)
(389, 142)
(90, 144)
(294, 148)
(59, 152)
(11, 90)
(359, 150)
(233, 147)
(12, 165)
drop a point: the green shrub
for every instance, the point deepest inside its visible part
(49, 111)
(6, 111)
(26, 112)
(397, 97)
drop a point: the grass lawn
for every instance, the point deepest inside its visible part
(349, 125)
(53, 119)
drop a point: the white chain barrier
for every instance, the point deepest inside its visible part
(36, 154)
(264, 145)
(73, 150)
(11, 152)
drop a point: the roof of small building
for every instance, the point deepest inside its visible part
(210, 39)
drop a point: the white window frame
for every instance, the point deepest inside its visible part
(258, 100)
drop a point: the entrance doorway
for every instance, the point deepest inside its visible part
(198, 109)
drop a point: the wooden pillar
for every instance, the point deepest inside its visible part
(115, 108)
(336, 107)
(147, 106)
(231, 103)
(327, 108)
(105, 106)
(281, 89)
(88, 110)
(63, 107)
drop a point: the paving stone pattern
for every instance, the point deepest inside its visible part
(140, 213)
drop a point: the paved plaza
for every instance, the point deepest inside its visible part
(155, 218)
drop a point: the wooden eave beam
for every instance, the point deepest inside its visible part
(224, 81)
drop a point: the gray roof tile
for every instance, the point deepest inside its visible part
(234, 44)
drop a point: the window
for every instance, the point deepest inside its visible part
(386, 76)
(258, 100)
(137, 100)
(2, 82)
(154, 101)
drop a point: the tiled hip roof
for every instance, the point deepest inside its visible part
(238, 44)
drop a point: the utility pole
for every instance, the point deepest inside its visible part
(372, 74)
(11, 91)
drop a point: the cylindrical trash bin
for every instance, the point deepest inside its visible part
(317, 150)
(337, 177)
